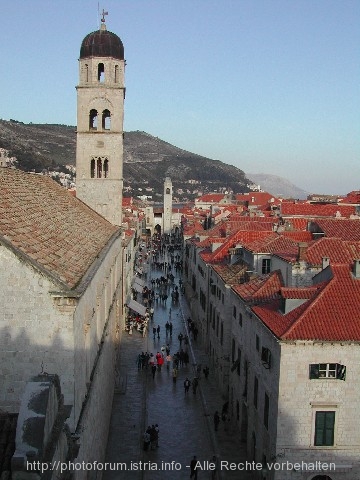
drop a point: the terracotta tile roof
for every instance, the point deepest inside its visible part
(337, 250)
(127, 201)
(260, 289)
(210, 198)
(339, 228)
(257, 198)
(243, 237)
(352, 197)
(273, 243)
(231, 274)
(298, 236)
(53, 230)
(316, 210)
(331, 314)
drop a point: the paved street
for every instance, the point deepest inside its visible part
(185, 420)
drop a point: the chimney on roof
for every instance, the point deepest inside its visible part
(356, 268)
(302, 250)
(325, 262)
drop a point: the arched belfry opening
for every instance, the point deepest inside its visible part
(106, 120)
(93, 119)
(101, 73)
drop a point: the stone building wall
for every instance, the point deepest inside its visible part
(35, 337)
(301, 397)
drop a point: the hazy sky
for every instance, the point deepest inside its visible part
(270, 86)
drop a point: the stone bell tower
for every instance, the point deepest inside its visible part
(168, 192)
(100, 119)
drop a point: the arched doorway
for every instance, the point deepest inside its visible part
(157, 229)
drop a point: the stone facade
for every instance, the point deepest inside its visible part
(75, 336)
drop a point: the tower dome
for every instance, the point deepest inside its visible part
(102, 43)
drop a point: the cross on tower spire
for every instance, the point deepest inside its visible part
(103, 13)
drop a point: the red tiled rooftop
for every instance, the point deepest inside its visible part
(337, 250)
(54, 230)
(262, 288)
(339, 228)
(316, 210)
(332, 314)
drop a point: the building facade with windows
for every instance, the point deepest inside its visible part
(294, 364)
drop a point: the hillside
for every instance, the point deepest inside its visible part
(147, 161)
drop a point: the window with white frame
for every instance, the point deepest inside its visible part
(327, 371)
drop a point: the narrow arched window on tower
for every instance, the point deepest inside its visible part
(86, 73)
(106, 120)
(99, 168)
(116, 79)
(167, 191)
(101, 73)
(106, 168)
(92, 168)
(93, 120)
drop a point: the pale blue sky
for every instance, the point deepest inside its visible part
(270, 86)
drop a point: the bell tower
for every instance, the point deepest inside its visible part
(100, 120)
(168, 192)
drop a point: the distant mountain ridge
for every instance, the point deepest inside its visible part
(147, 161)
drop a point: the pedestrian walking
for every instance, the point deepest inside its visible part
(187, 384)
(174, 374)
(170, 328)
(154, 332)
(193, 468)
(206, 371)
(216, 420)
(158, 331)
(157, 430)
(195, 384)
(146, 438)
(168, 361)
(153, 370)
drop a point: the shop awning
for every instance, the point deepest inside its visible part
(137, 287)
(139, 281)
(137, 307)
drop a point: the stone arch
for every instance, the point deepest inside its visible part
(101, 73)
(168, 191)
(92, 168)
(106, 168)
(93, 119)
(106, 119)
(321, 477)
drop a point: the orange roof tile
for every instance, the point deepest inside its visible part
(53, 230)
(331, 314)
(339, 228)
(315, 209)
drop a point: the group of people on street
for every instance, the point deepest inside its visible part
(151, 437)
(194, 383)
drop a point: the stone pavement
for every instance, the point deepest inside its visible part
(185, 421)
